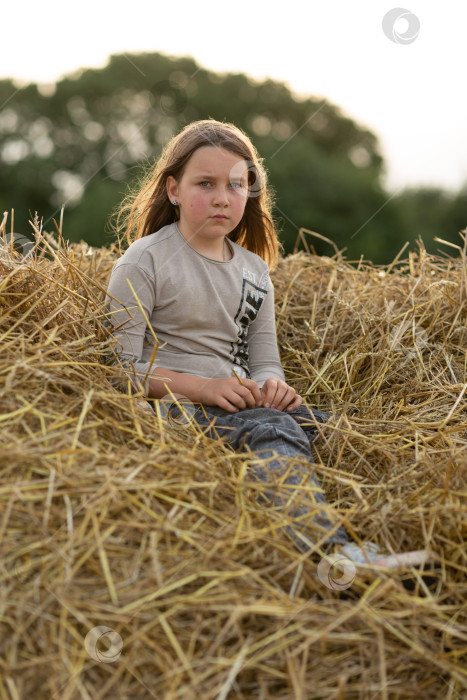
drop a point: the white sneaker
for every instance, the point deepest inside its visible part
(370, 553)
(367, 554)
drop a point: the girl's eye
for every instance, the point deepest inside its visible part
(234, 185)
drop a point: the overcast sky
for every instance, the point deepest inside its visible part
(409, 90)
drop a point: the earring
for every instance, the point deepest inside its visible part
(175, 202)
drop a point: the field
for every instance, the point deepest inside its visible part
(137, 560)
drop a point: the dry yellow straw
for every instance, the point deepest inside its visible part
(234, 372)
(118, 528)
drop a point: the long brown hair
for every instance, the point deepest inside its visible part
(148, 209)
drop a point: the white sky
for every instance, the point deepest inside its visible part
(412, 96)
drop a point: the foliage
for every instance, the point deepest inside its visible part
(80, 142)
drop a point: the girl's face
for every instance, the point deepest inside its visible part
(212, 194)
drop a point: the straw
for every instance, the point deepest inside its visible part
(138, 559)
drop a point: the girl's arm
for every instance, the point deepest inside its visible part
(126, 318)
(263, 354)
(179, 383)
(264, 359)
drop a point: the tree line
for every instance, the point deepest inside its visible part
(83, 141)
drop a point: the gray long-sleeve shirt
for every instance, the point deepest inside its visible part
(209, 316)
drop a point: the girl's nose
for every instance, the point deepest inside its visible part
(220, 196)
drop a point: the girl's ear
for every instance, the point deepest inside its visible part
(172, 188)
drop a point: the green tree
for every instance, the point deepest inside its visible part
(80, 144)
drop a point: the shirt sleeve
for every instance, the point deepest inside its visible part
(128, 324)
(263, 353)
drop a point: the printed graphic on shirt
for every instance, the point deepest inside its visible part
(251, 277)
(251, 300)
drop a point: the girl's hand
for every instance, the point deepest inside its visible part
(229, 394)
(277, 394)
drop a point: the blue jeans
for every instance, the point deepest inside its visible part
(289, 433)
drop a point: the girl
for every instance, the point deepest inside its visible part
(197, 276)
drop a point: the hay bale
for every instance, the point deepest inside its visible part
(136, 558)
